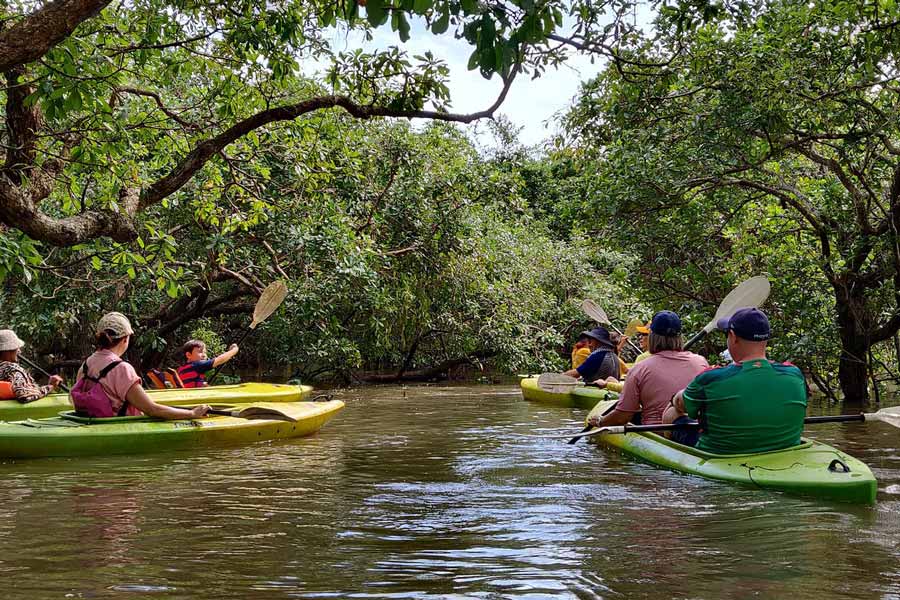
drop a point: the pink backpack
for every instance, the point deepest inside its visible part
(91, 399)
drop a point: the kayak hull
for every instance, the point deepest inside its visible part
(60, 436)
(53, 404)
(579, 397)
(810, 469)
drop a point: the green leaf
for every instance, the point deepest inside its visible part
(404, 27)
(441, 25)
(95, 262)
(420, 7)
(376, 13)
(473, 61)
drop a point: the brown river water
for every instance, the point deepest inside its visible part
(437, 492)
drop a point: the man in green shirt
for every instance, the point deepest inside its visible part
(751, 405)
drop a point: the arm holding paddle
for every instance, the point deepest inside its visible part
(226, 356)
(270, 299)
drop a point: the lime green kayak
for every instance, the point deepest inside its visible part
(69, 435)
(52, 405)
(810, 469)
(579, 397)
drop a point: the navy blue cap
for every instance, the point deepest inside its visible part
(600, 334)
(747, 323)
(666, 323)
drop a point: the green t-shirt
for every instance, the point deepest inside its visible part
(755, 406)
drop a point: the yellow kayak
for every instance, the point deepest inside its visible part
(70, 435)
(52, 405)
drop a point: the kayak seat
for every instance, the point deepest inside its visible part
(156, 379)
(173, 378)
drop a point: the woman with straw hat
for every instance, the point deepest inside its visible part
(24, 387)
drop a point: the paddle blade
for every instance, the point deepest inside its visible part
(556, 383)
(594, 311)
(750, 293)
(891, 416)
(596, 431)
(632, 326)
(264, 412)
(268, 302)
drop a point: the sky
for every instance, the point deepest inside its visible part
(532, 105)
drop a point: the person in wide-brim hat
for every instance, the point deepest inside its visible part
(603, 362)
(24, 387)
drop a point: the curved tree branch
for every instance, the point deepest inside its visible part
(30, 38)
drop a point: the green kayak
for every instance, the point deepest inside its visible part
(52, 405)
(70, 435)
(810, 469)
(579, 397)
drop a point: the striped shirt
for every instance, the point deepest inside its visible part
(191, 374)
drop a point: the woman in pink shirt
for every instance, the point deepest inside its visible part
(121, 382)
(652, 382)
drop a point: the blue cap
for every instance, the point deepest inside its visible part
(600, 334)
(747, 323)
(666, 323)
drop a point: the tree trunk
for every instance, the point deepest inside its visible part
(853, 329)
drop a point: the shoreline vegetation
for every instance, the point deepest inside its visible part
(172, 168)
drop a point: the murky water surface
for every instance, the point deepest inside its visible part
(437, 494)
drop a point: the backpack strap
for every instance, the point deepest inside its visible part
(106, 369)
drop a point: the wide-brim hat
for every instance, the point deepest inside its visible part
(600, 334)
(645, 329)
(9, 340)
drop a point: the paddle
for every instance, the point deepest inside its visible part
(37, 368)
(631, 327)
(594, 311)
(270, 299)
(251, 412)
(891, 416)
(559, 383)
(749, 293)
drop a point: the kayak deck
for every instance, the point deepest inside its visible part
(580, 396)
(810, 469)
(62, 436)
(51, 405)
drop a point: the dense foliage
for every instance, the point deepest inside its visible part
(763, 137)
(407, 252)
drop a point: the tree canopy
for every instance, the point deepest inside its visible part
(765, 135)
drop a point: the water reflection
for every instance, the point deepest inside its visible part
(442, 494)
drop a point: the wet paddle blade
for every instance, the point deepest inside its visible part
(268, 302)
(632, 326)
(594, 431)
(557, 383)
(594, 311)
(262, 412)
(891, 416)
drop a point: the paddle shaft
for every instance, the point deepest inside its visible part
(671, 426)
(630, 343)
(37, 368)
(695, 339)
